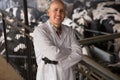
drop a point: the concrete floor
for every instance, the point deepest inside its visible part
(7, 72)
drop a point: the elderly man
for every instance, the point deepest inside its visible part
(56, 47)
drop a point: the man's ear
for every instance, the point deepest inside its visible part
(47, 11)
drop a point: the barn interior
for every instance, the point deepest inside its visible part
(96, 22)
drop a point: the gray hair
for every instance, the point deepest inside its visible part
(60, 1)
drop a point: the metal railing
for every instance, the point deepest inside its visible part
(29, 59)
(100, 38)
(94, 71)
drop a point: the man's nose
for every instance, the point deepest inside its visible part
(58, 12)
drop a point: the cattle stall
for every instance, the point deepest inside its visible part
(98, 35)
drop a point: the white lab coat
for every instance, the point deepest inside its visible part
(63, 49)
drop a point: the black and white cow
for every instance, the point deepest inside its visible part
(82, 18)
(16, 40)
(33, 15)
(108, 18)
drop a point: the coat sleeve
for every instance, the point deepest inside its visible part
(44, 45)
(76, 53)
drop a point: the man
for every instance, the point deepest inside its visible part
(56, 47)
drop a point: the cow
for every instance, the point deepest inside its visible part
(107, 18)
(18, 12)
(116, 29)
(82, 18)
(16, 41)
(35, 18)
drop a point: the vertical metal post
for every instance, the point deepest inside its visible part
(27, 42)
(5, 37)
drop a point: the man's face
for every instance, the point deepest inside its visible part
(56, 13)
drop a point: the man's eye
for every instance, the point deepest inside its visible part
(61, 10)
(55, 10)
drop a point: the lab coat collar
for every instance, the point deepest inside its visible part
(64, 32)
